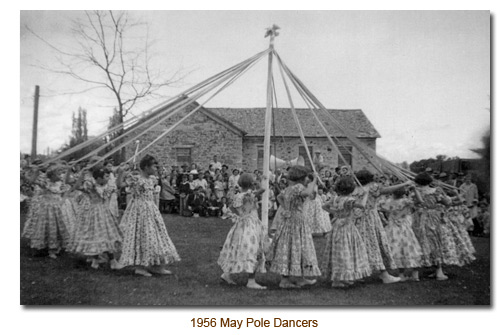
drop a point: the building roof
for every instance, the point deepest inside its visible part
(215, 117)
(251, 120)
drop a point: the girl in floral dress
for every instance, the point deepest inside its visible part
(98, 232)
(146, 244)
(317, 218)
(48, 222)
(370, 226)
(435, 233)
(292, 250)
(243, 250)
(406, 250)
(345, 259)
(455, 214)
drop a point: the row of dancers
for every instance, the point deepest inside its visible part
(427, 228)
(423, 230)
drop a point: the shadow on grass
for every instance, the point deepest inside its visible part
(69, 280)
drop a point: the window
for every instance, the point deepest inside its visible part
(183, 156)
(346, 152)
(260, 157)
(303, 153)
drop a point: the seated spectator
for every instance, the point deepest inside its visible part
(200, 182)
(196, 202)
(214, 206)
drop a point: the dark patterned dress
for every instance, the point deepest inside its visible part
(145, 237)
(439, 238)
(406, 250)
(243, 250)
(344, 257)
(47, 223)
(372, 231)
(98, 231)
(292, 250)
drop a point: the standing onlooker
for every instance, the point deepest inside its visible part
(233, 183)
(184, 191)
(216, 164)
(469, 192)
(219, 187)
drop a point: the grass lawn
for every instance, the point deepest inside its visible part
(70, 281)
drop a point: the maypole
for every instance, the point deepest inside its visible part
(271, 32)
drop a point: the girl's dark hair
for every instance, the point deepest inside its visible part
(297, 173)
(423, 179)
(344, 186)
(147, 161)
(364, 177)
(246, 180)
(52, 171)
(399, 192)
(99, 173)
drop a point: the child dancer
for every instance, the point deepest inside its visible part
(345, 259)
(317, 218)
(292, 250)
(456, 216)
(431, 229)
(146, 244)
(48, 222)
(243, 250)
(98, 233)
(371, 228)
(406, 250)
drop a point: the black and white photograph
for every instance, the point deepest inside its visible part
(255, 158)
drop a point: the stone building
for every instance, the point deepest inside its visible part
(236, 136)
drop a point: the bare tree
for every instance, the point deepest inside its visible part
(112, 54)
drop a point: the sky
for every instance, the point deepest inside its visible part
(421, 77)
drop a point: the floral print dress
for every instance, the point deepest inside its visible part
(243, 250)
(98, 231)
(292, 250)
(404, 245)
(344, 257)
(47, 224)
(371, 229)
(145, 237)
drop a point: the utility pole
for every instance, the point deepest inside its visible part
(35, 123)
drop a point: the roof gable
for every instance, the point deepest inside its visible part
(213, 116)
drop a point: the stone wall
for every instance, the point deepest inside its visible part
(204, 136)
(287, 148)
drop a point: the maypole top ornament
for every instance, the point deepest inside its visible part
(272, 31)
